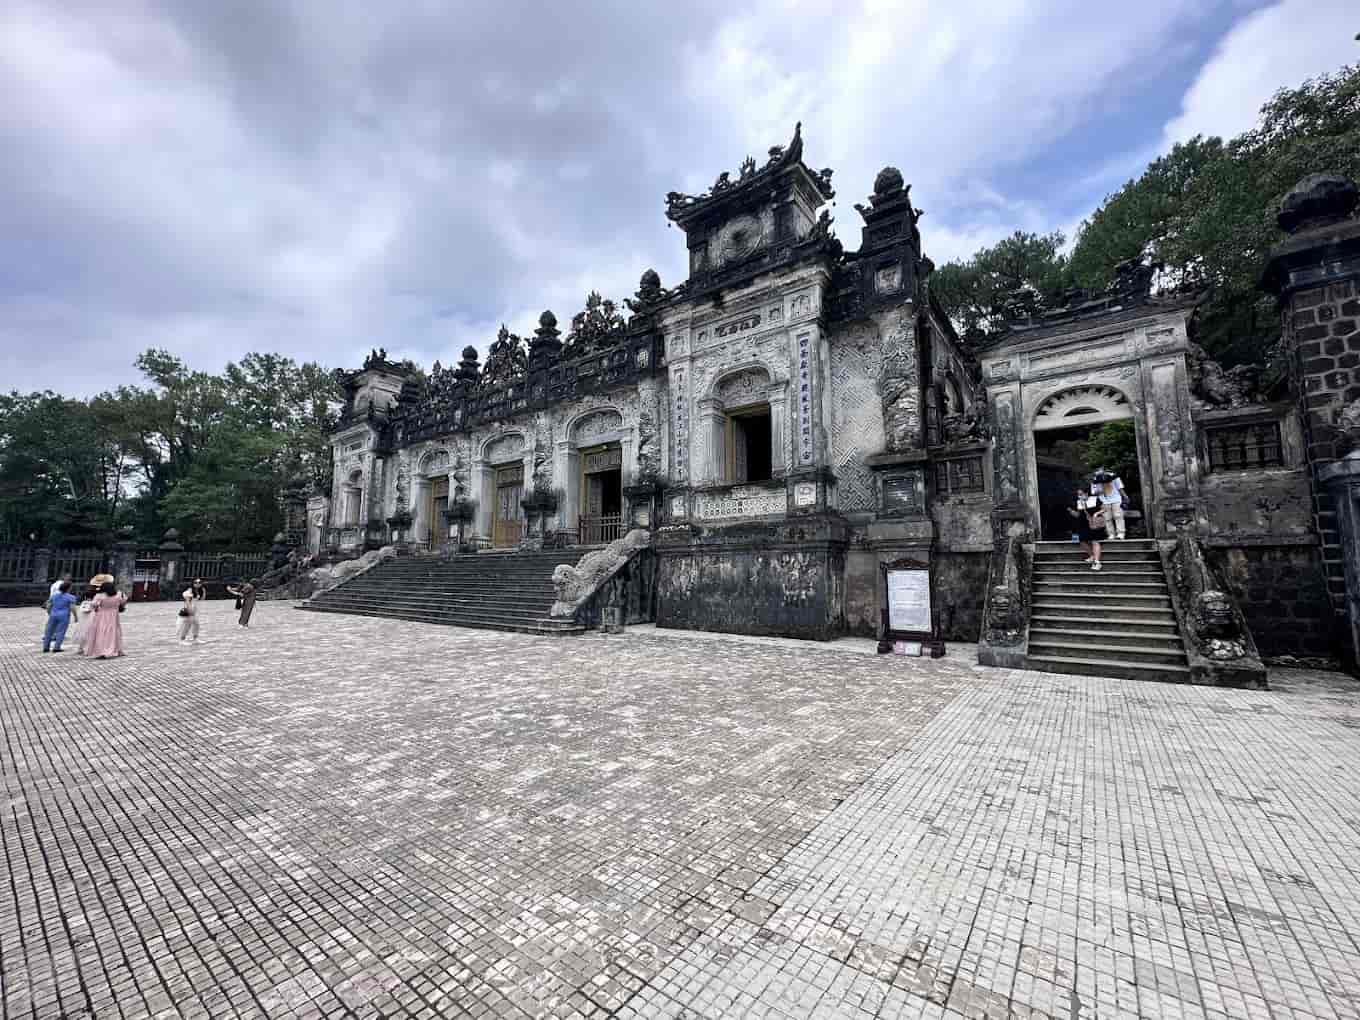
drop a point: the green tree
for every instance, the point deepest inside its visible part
(1205, 212)
(975, 293)
(1114, 447)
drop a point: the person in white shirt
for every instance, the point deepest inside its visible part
(56, 585)
(1109, 489)
(188, 618)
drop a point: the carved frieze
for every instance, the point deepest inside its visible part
(740, 501)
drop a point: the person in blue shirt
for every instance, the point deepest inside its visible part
(59, 608)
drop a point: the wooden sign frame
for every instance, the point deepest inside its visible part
(929, 638)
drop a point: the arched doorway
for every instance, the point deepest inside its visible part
(435, 491)
(1077, 431)
(596, 443)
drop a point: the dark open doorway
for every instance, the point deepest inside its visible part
(1065, 460)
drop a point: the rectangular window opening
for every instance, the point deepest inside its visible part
(750, 452)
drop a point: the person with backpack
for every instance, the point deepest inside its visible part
(1114, 498)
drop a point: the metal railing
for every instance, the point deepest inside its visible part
(600, 530)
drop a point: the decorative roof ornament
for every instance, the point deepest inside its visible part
(679, 205)
(546, 346)
(507, 359)
(649, 294)
(468, 371)
(1318, 200)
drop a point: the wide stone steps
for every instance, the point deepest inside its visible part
(494, 591)
(1116, 622)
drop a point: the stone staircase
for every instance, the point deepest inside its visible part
(493, 591)
(1116, 622)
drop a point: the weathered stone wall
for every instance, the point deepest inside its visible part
(1258, 504)
(784, 579)
(1282, 591)
(1324, 331)
(960, 591)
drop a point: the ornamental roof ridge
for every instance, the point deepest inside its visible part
(681, 207)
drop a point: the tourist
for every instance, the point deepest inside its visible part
(59, 609)
(1095, 529)
(105, 638)
(200, 590)
(1109, 489)
(56, 586)
(188, 617)
(245, 600)
(1089, 520)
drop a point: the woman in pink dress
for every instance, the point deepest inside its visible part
(104, 639)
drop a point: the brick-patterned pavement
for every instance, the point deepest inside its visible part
(333, 816)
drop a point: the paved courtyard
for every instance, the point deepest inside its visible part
(331, 816)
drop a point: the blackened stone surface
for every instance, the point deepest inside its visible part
(1282, 591)
(960, 590)
(784, 579)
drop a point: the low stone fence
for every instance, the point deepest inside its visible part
(27, 570)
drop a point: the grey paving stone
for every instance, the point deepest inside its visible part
(327, 816)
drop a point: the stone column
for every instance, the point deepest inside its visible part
(1315, 276)
(171, 553)
(124, 563)
(42, 561)
(711, 453)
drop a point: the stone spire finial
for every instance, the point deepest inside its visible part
(1317, 201)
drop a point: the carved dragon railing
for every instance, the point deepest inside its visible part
(1218, 643)
(620, 576)
(1006, 614)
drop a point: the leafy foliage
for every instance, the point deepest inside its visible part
(1204, 214)
(1114, 447)
(208, 454)
(975, 293)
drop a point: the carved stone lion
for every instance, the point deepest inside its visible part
(1005, 617)
(1216, 627)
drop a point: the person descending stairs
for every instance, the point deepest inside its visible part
(1117, 622)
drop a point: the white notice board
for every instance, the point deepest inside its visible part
(909, 600)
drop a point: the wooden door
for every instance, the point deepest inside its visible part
(439, 502)
(509, 490)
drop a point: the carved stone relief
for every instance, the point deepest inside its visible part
(856, 417)
(506, 448)
(748, 386)
(597, 426)
(899, 380)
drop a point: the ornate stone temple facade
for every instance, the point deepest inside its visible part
(784, 420)
(795, 415)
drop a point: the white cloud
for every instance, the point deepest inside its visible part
(1279, 46)
(216, 179)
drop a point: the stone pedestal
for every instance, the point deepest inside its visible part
(1341, 480)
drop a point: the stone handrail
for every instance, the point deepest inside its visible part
(1006, 614)
(585, 589)
(325, 578)
(1218, 643)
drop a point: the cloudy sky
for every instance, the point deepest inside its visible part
(323, 177)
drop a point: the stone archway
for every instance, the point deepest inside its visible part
(1082, 405)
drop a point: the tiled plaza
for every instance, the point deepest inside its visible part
(334, 816)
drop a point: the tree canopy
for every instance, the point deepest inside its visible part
(207, 454)
(1203, 214)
